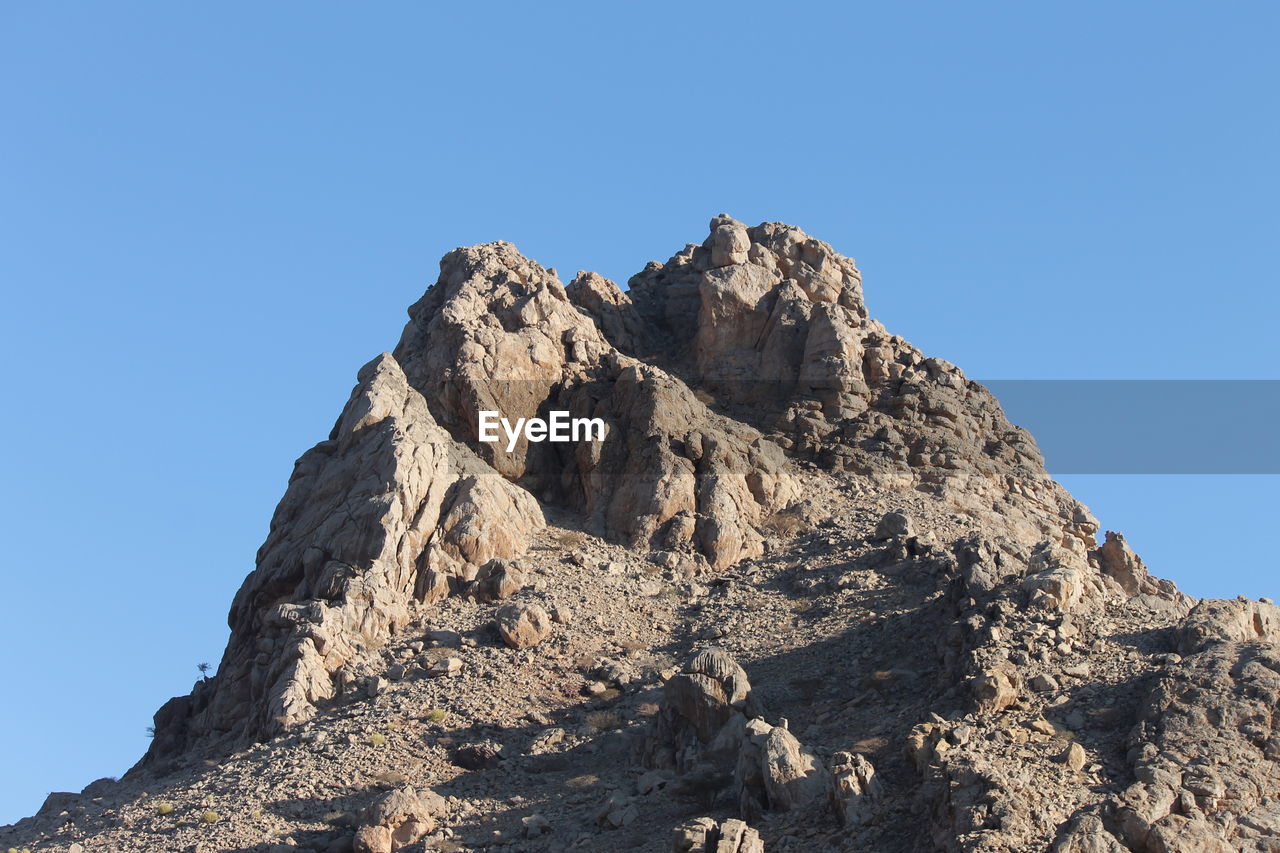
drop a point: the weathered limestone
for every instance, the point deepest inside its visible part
(709, 719)
(609, 307)
(996, 689)
(793, 776)
(708, 695)
(721, 376)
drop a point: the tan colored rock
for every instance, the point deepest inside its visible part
(1088, 834)
(447, 666)
(1073, 757)
(499, 333)
(405, 813)
(611, 309)
(922, 744)
(1118, 561)
(695, 836)
(704, 835)
(893, 524)
(523, 626)
(1228, 621)
(737, 837)
(377, 519)
(793, 777)
(498, 580)
(855, 790)
(784, 332)
(373, 839)
(395, 511)
(405, 803)
(996, 689)
(709, 689)
(1205, 753)
(724, 377)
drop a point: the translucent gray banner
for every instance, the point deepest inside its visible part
(1148, 426)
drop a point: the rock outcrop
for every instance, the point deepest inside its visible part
(705, 835)
(500, 333)
(381, 517)
(772, 324)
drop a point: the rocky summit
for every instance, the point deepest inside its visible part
(811, 591)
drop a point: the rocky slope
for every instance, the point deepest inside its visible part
(812, 591)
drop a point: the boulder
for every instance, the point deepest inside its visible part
(498, 580)
(406, 814)
(709, 689)
(892, 525)
(996, 689)
(373, 839)
(523, 626)
(793, 777)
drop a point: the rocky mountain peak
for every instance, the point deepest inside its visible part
(795, 586)
(710, 374)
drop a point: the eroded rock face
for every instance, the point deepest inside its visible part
(772, 324)
(1088, 834)
(1240, 620)
(710, 693)
(500, 333)
(793, 776)
(709, 722)
(855, 789)
(609, 307)
(1207, 756)
(377, 519)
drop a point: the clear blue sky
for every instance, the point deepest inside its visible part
(212, 214)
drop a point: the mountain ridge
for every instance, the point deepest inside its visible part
(771, 448)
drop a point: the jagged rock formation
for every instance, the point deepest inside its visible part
(772, 323)
(812, 591)
(376, 519)
(499, 333)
